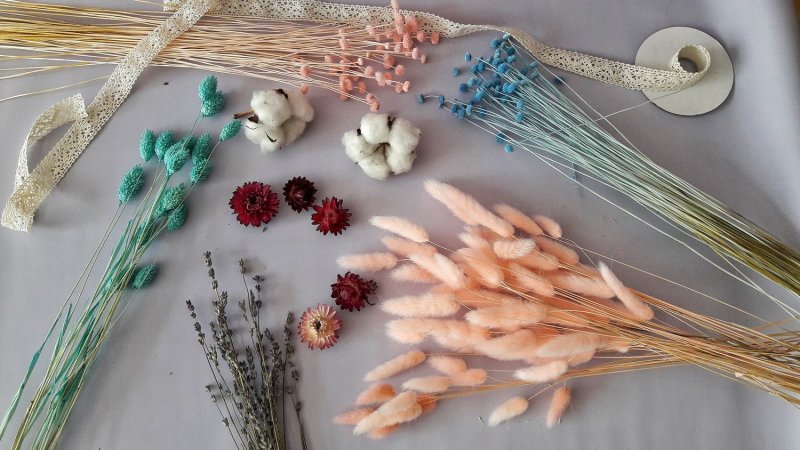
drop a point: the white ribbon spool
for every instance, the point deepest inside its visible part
(666, 48)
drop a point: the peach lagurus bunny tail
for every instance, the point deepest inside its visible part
(508, 410)
(395, 366)
(368, 262)
(403, 408)
(401, 227)
(635, 305)
(469, 377)
(405, 247)
(354, 416)
(467, 208)
(550, 226)
(543, 373)
(431, 384)
(426, 305)
(442, 268)
(375, 394)
(519, 219)
(448, 365)
(561, 399)
(513, 248)
(413, 273)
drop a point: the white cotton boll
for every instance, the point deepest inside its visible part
(271, 107)
(404, 136)
(356, 147)
(293, 128)
(254, 132)
(375, 166)
(301, 107)
(375, 128)
(278, 139)
(399, 162)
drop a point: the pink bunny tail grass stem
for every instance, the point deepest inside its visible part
(442, 268)
(431, 384)
(395, 366)
(448, 365)
(483, 298)
(469, 377)
(550, 226)
(635, 305)
(401, 227)
(403, 408)
(404, 247)
(536, 260)
(376, 394)
(558, 405)
(353, 416)
(426, 305)
(413, 274)
(511, 408)
(467, 208)
(513, 248)
(519, 219)
(564, 254)
(368, 262)
(543, 373)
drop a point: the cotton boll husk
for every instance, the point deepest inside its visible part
(635, 305)
(375, 128)
(550, 226)
(487, 269)
(507, 317)
(301, 107)
(442, 268)
(352, 417)
(448, 365)
(395, 366)
(512, 407)
(427, 402)
(403, 408)
(469, 377)
(537, 260)
(401, 227)
(520, 344)
(579, 284)
(375, 166)
(356, 147)
(467, 208)
(431, 384)
(404, 136)
(399, 161)
(292, 129)
(562, 252)
(404, 247)
(413, 274)
(513, 248)
(569, 345)
(542, 374)
(381, 433)
(519, 219)
(376, 394)
(271, 107)
(559, 404)
(531, 281)
(427, 305)
(368, 262)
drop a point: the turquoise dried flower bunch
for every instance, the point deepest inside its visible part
(79, 335)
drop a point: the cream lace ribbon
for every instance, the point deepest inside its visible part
(32, 188)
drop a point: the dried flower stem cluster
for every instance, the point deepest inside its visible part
(345, 59)
(517, 292)
(250, 396)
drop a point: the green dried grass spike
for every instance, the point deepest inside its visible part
(200, 172)
(147, 145)
(207, 88)
(131, 184)
(230, 130)
(177, 217)
(202, 149)
(212, 105)
(163, 143)
(144, 276)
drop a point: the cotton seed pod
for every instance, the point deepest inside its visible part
(404, 136)
(356, 147)
(382, 145)
(293, 128)
(375, 128)
(301, 107)
(272, 107)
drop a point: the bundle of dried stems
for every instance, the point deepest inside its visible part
(517, 292)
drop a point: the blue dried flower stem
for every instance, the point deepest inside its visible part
(525, 110)
(80, 337)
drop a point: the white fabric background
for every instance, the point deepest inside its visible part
(146, 391)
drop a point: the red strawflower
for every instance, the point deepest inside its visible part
(299, 193)
(351, 291)
(319, 327)
(254, 203)
(330, 217)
